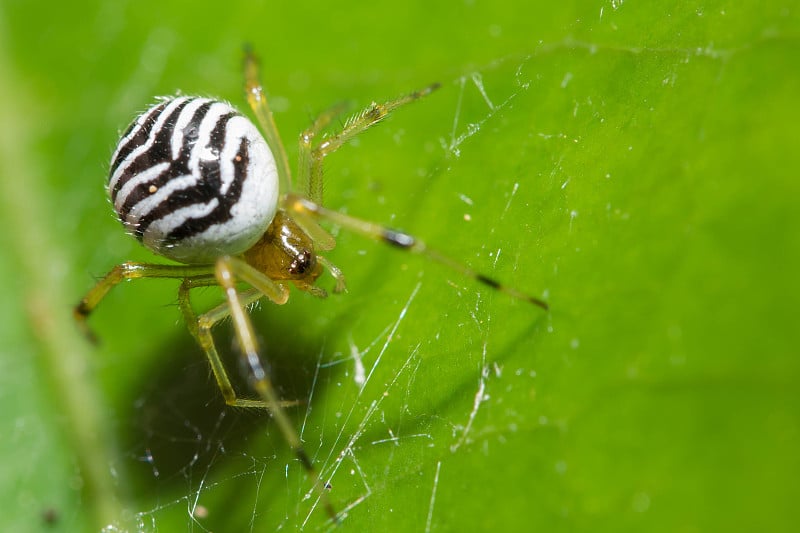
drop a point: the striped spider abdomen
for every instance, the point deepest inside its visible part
(193, 180)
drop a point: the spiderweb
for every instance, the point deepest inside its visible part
(373, 415)
(427, 402)
(417, 394)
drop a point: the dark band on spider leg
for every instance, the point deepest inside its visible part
(398, 238)
(540, 303)
(488, 281)
(81, 314)
(494, 284)
(427, 90)
(305, 459)
(322, 486)
(82, 309)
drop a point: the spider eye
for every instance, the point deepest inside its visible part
(302, 263)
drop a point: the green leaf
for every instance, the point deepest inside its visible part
(634, 165)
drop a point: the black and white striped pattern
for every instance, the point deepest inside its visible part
(193, 179)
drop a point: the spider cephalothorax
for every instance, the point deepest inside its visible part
(285, 252)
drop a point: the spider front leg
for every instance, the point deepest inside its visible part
(125, 272)
(402, 240)
(312, 156)
(227, 270)
(200, 327)
(257, 100)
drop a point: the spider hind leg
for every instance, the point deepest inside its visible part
(227, 271)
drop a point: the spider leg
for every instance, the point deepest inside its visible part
(337, 274)
(228, 269)
(124, 272)
(312, 156)
(322, 239)
(257, 100)
(400, 240)
(306, 142)
(200, 327)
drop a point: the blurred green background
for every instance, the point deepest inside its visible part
(635, 165)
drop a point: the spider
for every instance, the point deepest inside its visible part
(194, 181)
